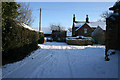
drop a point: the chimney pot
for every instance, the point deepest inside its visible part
(87, 19)
(73, 17)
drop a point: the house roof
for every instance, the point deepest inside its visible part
(91, 24)
(116, 6)
(80, 26)
(93, 28)
(98, 29)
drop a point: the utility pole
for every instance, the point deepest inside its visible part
(40, 21)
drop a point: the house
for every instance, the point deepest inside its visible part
(47, 34)
(113, 29)
(85, 28)
(58, 35)
(98, 35)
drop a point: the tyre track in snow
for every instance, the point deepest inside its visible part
(62, 64)
(24, 61)
(69, 64)
(51, 62)
(40, 69)
(42, 57)
(63, 61)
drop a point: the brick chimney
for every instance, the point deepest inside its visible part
(87, 19)
(73, 27)
(73, 17)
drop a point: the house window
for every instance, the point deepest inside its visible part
(85, 30)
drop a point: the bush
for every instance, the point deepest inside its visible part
(18, 53)
(79, 42)
(41, 38)
(17, 41)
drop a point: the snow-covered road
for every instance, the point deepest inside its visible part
(59, 60)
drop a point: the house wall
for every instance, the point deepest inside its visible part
(47, 35)
(80, 32)
(76, 28)
(99, 36)
(59, 35)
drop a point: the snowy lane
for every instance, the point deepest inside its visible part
(28, 66)
(59, 60)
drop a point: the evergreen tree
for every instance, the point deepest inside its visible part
(9, 13)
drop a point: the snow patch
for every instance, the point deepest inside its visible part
(59, 60)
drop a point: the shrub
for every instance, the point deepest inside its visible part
(41, 38)
(17, 41)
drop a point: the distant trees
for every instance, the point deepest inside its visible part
(25, 15)
(56, 27)
(104, 15)
(70, 29)
(20, 12)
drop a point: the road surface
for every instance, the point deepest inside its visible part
(59, 60)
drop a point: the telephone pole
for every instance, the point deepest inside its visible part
(40, 21)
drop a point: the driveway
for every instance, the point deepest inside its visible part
(59, 60)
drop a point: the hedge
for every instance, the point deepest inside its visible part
(79, 42)
(41, 38)
(17, 41)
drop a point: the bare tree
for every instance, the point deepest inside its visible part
(104, 16)
(56, 27)
(70, 29)
(25, 14)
